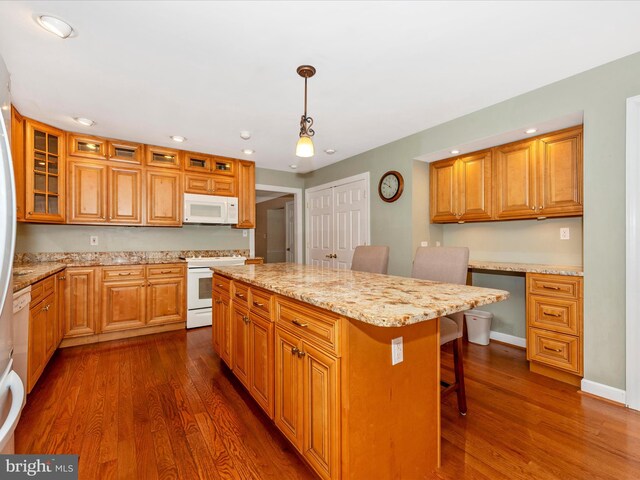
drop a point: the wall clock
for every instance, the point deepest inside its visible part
(390, 186)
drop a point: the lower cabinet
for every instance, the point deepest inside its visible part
(222, 326)
(165, 300)
(81, 301)
(240, 340)
(123, 305)
(261, 362)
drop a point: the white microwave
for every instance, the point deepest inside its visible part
(210, 209)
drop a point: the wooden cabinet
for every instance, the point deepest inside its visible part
(240, 340)
(166, 294)
(82, 301)
(87, 146)
(123, 303)
(163, 198)
(261, 362)
(246, 194)
(288, 385)
(461, 188)
(127, 152)
(554, 326)
(62, 310)
(101, 193)
(534, 178)
(162, 157)
(44, 173)
(43, 328)
(222, 326)
(17, 155)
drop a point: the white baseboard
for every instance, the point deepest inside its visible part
(510, 339)
(604, 391)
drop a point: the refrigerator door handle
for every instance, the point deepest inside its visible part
(14, 384)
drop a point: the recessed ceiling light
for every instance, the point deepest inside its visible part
(245, 135)
(531, 130)
(178, 138)
(85, 121)
(455, 152)
(293, 166)
(5, 107)
(56, 26)
(247, 151)
(329, 151)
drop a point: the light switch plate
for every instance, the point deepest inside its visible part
(565, 233)
(397, 351)
(245, 233)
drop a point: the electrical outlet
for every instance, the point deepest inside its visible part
(397, 353)
(564, 233)
(245, 233)
(93, 240)
(437, 244)
(424, 244)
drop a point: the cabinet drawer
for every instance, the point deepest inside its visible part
(560, 286)
(261, 302)
(122, 273)
(555, 349)
(222, 284)
(318, 326)
(43, 289)
(241, 294)
(165, 271)
(554, 314)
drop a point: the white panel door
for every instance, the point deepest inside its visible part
(320, 233)
(290, 219)
(351, 221)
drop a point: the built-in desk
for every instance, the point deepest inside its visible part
(526, 268)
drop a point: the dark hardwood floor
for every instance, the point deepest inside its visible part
(162, 407)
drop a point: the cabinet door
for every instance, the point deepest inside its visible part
(61, 291)
(224, 166)
(166, 300)
(219, 311)
(197, 184)
(127, 152)
(162, 157)
(240, 339)
(125, 195)
(87, 146)
(44, 173)
(560, 173)
(164, 198)
(320, 411)
(51, 325)
(198, 162)
(82, 301)
(288, 387)
(246, 194)
(226, 351)
(262, 365)
(17, 154)
(87, 192)
(123, 305)
(515, 189)
(443, 188)
(36, 355)
(224, 186)
(474, 183)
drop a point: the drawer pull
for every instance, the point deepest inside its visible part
(62, 278)
(124, 274)
(297, 322)
(219, 285)
(547, 314)
(46, 309)
(258, 304)
(218, 302)
(166, 271)
(240, 295)
(558, 350)
(549, 287)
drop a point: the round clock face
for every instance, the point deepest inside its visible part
(390, 186)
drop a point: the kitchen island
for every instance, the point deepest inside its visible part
(313, 347)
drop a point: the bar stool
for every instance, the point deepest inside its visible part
(370, 258)
(449, 265)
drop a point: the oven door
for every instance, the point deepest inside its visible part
(199, 286)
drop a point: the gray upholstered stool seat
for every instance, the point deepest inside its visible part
(448, 330)
(370, 258)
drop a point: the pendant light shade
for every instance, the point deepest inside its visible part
(304, 147)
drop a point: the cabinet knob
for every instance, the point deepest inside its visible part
(301, 353)
(294, 350)
(62, 278)
(245, 319)
(218, 302)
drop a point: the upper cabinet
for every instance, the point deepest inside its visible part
(120, 151)
(162, 157)
(44, 173)
(247, 197)
(534, 178)
(87, 146)
(164, 198)
(17, 154)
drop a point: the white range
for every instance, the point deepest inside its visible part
(199, 287)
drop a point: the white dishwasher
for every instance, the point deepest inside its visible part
(21, 300)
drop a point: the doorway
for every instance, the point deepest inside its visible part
(278, 233)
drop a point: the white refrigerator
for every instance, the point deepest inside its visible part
(12, 394)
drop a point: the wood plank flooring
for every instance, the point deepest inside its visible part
(162, 407)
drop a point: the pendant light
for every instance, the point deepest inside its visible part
(304, 148)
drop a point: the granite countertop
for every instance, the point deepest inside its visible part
(382, 300)
(25, 275)
(527, 268)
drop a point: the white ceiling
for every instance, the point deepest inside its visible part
(207, 70)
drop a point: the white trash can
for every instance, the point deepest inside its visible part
(478, 326)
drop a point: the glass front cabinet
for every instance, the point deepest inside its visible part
(45, 173)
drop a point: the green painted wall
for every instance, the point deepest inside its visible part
(601, 94)
(265, 176)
